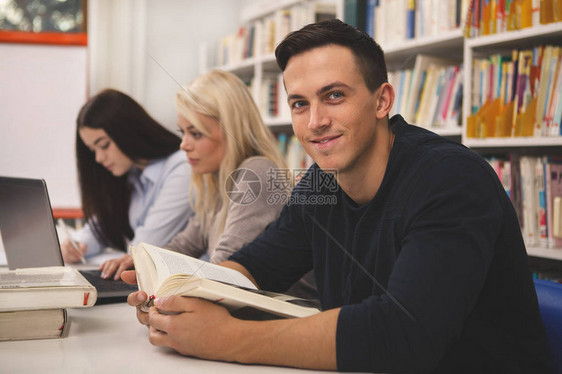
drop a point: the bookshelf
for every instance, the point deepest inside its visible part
(504, 43)
(515, 142)
(423, 44)
(554, 254)
(443, 45)
(248, 53)
(401, 53)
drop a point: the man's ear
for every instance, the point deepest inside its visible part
(385, 100)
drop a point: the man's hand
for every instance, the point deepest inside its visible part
(116, 266)
(200, 328)
(136, 299)
(193, 327)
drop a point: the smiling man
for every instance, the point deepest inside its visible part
(420, 264)
(335, 117)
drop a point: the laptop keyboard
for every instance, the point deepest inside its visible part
(107, 287)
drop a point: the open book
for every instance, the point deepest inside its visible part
(161, 272)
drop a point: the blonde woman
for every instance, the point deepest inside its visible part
(239, 179)
(233, 158)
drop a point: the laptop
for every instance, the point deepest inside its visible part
(29, 235)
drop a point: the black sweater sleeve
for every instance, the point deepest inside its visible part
(281, 255)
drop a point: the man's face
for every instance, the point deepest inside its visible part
(332, 111)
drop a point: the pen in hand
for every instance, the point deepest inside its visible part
(64, 228)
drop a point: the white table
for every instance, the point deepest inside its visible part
(108, 339)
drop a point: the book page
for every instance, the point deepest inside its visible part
(55, 276)
(168, 263)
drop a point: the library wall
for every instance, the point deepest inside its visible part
(43, 87)
(42, 90)
(175, 31)
(147, 48)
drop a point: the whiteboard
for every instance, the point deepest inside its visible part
(41, 91)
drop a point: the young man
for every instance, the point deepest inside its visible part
(419, 259)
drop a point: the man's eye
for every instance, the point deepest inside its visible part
(335, 95)
(298, 104)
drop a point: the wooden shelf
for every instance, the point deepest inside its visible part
(276, 122)
(445, 131)
(554, 254)
(261, 10)
(513, 142)
(552, 31)
(243, 67)
(268, 61)
(449, 44)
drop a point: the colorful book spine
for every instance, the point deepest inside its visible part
(410, 19)
(501, 17)
(370, 17)
(536, 13)
(541, 202)
(557, 105)
(556, 195)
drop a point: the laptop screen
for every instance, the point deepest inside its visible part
(27, 226)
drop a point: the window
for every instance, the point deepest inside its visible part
(43, 21)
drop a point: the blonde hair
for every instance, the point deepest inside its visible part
(224, 97)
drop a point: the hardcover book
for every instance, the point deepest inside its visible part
(33, 324)
(52, 287)
(161, 273)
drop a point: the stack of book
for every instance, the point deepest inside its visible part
(486, 17)
(33, 301)
(430, 94)
(260, 36)
(517, 95)
(392, 22)
(534, 185)
(272, 98)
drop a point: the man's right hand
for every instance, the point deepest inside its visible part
(70, 254)
(136, 299)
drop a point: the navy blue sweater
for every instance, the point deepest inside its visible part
(431, 274)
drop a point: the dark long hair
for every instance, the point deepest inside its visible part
(368, 54)
(106, 198)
